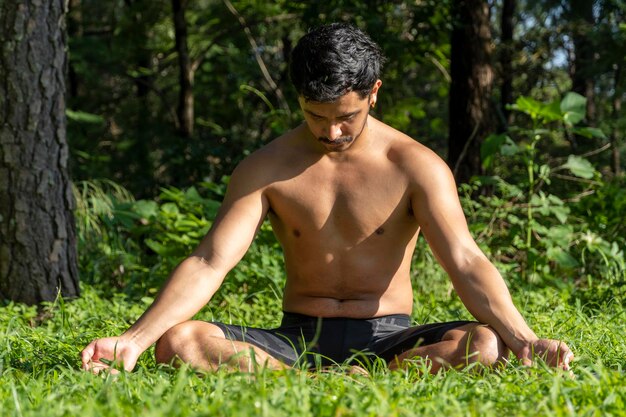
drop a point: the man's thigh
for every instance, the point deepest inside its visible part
(207, 346)
(461, 332)
(280, 346)
(423, 335)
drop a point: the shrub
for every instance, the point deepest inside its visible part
(134, 245)
(525, 216)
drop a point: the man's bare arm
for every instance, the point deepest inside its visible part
(196, 279)
(478, 283)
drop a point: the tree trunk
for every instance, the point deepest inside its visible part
(506, 58)
(37, 231)
(617, 110)
(74, 31)
(471, 86)
(583, 22)
(185, 100)
(138, 159)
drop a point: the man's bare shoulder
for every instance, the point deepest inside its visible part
(418, 161)
(267, 163)
(277, 149)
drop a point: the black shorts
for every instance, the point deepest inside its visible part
(310, 341)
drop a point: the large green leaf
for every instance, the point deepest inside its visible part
(573, 107)
(495, 144)
(560, 212)
(589, 132)
(146, 209)
(551, 112)
(559, 236)
(537, 110)
(580, 167)
(528, 105)
(562, 257)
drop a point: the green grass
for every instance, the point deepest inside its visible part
(40, 376)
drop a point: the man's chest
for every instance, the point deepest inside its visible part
(347, 204)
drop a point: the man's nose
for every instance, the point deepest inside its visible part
(334, 131)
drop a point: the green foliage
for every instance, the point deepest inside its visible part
(133, 245)
(606, 209)
(105, 255)
(124, 79)
(530, 219)
(124, 84)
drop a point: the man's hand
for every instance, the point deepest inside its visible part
(110, 352)
(552, 352)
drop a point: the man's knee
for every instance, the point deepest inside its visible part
(182, 337)
(168, 344)
(484, 345)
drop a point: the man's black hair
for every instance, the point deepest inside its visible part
(333, 60)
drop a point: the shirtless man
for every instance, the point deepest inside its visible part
(347, 197)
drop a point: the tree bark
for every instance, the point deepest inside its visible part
(582, 22)
(74, 31)
(616, 109)
(138, 158)
(185, 99)
(471, 86)
(37, 231)
(506, 57)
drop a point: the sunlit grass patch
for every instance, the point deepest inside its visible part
(39, 371)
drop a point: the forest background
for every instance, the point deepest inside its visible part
(164, 98)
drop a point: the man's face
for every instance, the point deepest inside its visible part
(338, 124)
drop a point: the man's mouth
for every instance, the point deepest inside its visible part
(336, 142)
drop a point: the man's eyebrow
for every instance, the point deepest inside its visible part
(343, 116)
(350, 114)
(311, 113)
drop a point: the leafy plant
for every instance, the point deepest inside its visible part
(528, 215)
(134, 245)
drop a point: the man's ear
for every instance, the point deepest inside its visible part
(374, 93)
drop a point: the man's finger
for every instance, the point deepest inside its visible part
(526, 361)
(87, 353)
(567, 358)
(95, 367)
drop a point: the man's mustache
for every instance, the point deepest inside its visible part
(340, 140)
